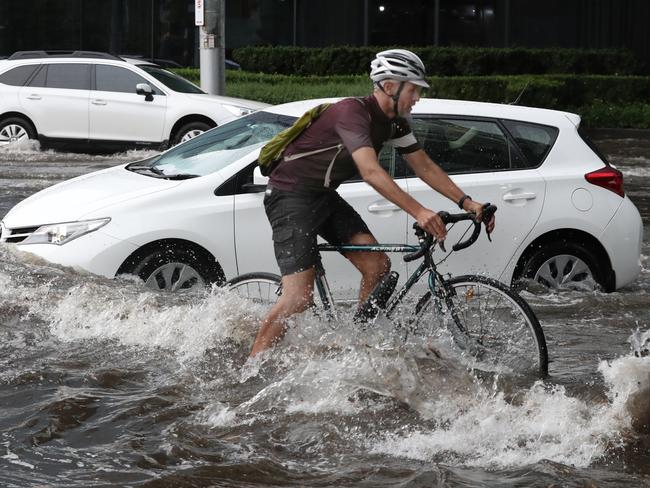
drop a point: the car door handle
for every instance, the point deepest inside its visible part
(383, 207)
(508, 197)
(99, 102)
(33, 96)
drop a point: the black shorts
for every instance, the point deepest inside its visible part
(297, 219)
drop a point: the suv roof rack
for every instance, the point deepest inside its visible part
(62, 54)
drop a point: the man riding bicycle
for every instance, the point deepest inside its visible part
(301, 201)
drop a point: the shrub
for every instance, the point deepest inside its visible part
(440, 61)
(603, 101)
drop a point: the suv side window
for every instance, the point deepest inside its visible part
(464, 146)
(38, 80)
(19, 75)
(71, 76)
(116, 79)
(535, 140)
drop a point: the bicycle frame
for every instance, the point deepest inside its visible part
(426, 264)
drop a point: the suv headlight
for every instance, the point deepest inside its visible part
(238, 110)
(64, 232)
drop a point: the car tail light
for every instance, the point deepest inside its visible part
(608, 178)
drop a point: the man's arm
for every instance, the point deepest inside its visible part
(434, 176)
(372, 173)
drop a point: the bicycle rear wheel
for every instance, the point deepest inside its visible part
(492, 327)
(263, 289)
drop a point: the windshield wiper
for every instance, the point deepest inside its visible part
(158, 173)
(180, 176)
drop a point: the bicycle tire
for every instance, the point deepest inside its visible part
(261, 288)
(499, 330)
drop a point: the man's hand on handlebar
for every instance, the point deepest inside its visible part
(477, 209)
(431, 222)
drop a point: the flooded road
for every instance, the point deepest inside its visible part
(104, 383)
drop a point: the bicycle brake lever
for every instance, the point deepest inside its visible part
(488, 236)
(442, 246)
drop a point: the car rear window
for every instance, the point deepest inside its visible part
(19, 75)
(534, 140)
(593, 146)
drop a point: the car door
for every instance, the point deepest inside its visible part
(118, 113)
(57, 100)
(485, 162)
(253, 232)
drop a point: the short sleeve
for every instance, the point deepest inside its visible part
(403, 138)
(353, 125)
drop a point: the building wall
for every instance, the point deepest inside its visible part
(165, 28)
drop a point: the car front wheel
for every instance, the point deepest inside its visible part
(565, 265)
(176, 270)
(15, 130)
(189, 131)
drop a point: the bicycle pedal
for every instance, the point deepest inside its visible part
(377, 299)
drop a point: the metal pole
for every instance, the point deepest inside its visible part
(213, 47)
(152, 33)
(295, 22)
(436, 24)
(366, 12)
(506, 21)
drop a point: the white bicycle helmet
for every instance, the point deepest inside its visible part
(400, 65)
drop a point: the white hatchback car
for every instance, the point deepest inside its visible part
(194, 214)
(100, 101)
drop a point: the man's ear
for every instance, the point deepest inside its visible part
(389, 87)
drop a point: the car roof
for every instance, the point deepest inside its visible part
(438, 106)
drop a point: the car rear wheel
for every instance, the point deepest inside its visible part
(15, 130)
(565, 265)
(189, 131)
(176, 270)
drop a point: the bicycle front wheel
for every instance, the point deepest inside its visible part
(262, 289)
(488, 323)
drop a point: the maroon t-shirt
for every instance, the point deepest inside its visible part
(345, 126)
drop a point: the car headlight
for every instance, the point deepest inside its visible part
(238, 110)
(64, 232)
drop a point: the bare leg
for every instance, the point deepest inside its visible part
(297, 296)
(372, 265)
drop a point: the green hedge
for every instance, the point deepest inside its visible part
(440, 61)
(603, 101)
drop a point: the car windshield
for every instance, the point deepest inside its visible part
(215, 149)
(171, 80)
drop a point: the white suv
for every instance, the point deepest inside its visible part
(97, 100)
(194, 213)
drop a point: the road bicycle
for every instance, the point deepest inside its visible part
(486, 322)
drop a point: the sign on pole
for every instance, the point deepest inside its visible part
(198, 12)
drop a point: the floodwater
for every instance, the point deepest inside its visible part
(104, 383)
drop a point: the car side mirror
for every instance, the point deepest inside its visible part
(145, 90)
(259, 182)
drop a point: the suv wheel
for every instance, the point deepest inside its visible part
(14, 130)
(565, 265)
(189, 131)
(176, 270)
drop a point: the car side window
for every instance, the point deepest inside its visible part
(535, 140)
(464, 146)
(386, 160)
(19, 75)
(116, 79)
(70, 75)
(38, 80)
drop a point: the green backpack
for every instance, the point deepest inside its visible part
(271, 152)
